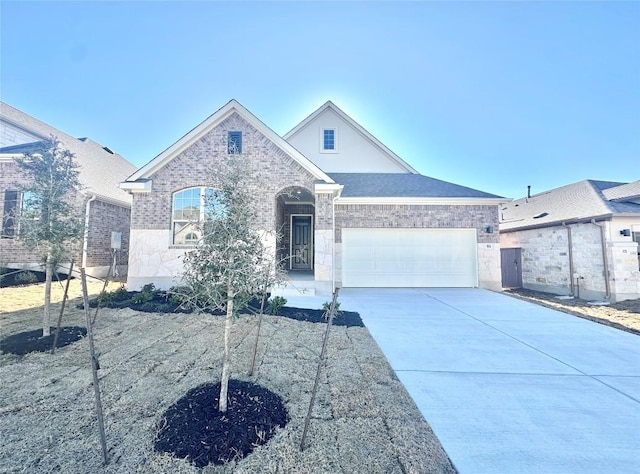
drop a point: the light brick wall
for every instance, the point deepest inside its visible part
(276, 172)
(477, 217)
(14, 253)
(196, 166)
(105, 218)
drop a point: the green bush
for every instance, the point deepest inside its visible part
(116, 296)
(147, 294)
(25, 278)
(275, 304)
(326, 307)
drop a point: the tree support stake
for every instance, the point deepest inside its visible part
(323, 355)
(95, 366)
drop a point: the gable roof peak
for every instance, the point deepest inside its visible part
(231, 107)
(353, 124)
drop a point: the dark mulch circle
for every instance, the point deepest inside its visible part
(32, 341)
(194, 429)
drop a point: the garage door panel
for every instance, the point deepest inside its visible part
(409, 257)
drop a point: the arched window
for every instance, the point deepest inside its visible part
(187, 211)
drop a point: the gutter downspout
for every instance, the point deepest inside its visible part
(604, 259)
(333, 247)
(85, 238)
(571, 268)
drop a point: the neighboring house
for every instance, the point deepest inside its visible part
(351, 212)
(580, 239)
(107, 208)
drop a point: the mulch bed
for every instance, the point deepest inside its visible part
(342, 318)
(160, 302)
(194, 429)
(32, 341)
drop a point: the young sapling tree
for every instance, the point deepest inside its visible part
(227, 267)
(49, 219)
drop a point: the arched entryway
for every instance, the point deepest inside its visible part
(295, 222)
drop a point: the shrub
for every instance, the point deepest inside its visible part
(25, 278)
(116, 296)
(326, 307)
(147, 294)
(275, 304)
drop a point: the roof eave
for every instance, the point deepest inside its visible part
(557, 223)
(138, 186)
(460, 201)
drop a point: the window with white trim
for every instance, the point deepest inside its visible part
(187, 212)
(329, 139)
(20, 210)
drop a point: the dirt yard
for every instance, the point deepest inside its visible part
(624, 315)
(363, 420)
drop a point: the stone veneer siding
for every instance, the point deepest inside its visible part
(545, 262)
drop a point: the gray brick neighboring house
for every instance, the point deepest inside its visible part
(350, 212)
(107, 208)
(580, 239)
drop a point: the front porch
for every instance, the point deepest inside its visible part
(305, 243)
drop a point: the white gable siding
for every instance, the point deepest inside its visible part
(11, 134)
(354, 153)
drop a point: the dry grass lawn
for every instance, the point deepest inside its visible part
(363, 421)
(624, 315)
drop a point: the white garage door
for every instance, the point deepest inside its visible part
(409, 258)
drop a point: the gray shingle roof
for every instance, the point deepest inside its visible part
(402, 185)
(578, 201)
(101, 170)
(624, 192)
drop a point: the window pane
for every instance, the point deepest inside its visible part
(329, 139)
(234, 143)
(214, 208)
(9, 216)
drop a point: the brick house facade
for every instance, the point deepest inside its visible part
(294, 195)
(103, 206)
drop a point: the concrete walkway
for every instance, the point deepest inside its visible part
(509, 386)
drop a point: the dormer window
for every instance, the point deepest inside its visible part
(234, 143)
(329, 140)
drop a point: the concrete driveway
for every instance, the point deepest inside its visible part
(509, 386)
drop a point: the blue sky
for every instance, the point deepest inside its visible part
(491, 95)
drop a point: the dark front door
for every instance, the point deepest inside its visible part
(511, 268)
(301, 243)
